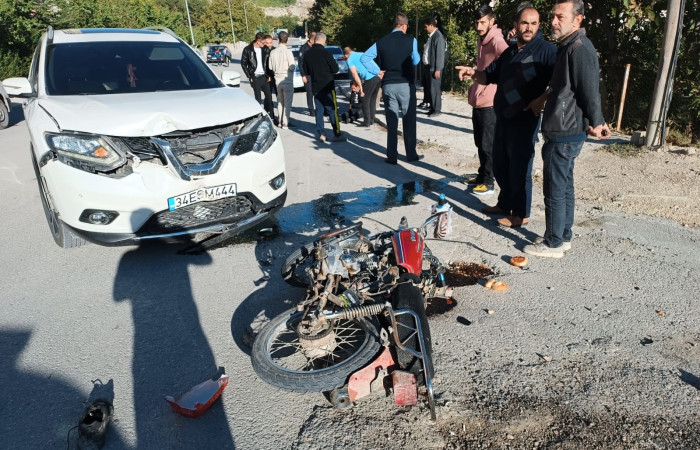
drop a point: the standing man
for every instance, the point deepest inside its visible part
(320, 65)
(522, 74)
(434, 63)
(393, 58)
(269, 43)
(368, 82)
(572, 110)
(304, 76)
(282, 65)
(254, 62)
(489, 47)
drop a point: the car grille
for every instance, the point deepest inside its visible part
(230, 209)
(195, 146)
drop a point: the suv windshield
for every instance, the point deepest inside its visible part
(124, 67)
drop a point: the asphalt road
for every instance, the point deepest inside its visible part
(147, 322)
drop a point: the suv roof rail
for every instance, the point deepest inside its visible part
(49, 34)
(164, 30)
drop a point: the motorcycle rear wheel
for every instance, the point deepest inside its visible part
(279, 358)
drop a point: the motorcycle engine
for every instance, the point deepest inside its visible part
(347, 263)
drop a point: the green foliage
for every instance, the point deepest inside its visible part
(275, 3)
(215, 22)
(13, 65)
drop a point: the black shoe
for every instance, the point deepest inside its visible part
(417, 158)
(93, 425)
(423, 105)
(390, 161)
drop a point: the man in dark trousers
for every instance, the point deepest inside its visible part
(522, 74)
(393, 58)
(434, 63)
(572, 111)
(320, 65)
(254, 62)
(489, 47)
(304, 76)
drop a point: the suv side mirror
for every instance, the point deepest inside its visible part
(18, 87)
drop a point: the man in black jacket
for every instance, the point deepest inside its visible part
(321, 66)
(254, 62)
(572, 111)
(433, 64)
(304, 76)
(522, 73)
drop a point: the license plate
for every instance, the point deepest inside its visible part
(202, 195)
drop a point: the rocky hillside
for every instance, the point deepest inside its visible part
(300, 9)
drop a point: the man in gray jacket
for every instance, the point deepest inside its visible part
(434, 62)
(572, 111)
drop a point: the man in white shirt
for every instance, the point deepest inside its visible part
(282, 64)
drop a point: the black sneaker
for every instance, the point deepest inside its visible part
(93, 425)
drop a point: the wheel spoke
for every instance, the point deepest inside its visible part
(287, 351)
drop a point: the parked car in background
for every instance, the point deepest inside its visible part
(219, 54)
(340, 58)
(141, 141)
(298, 82)
(5, 108)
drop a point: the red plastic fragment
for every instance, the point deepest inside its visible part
(360, 383)
(405, 388)
(198, 399)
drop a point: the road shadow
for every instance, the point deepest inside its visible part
(171, 352)
(16, 114)
(689, 378)
(39, 410)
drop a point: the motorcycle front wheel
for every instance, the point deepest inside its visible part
(286, 359)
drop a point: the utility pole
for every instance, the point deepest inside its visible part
(189, 22)
(661, 98)
(231, 18)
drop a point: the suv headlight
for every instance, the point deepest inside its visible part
(85, 152)
(266, 133)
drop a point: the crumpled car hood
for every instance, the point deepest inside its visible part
(150, 114)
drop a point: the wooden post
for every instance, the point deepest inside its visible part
(622, 97)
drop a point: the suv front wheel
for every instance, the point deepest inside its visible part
(62, 235)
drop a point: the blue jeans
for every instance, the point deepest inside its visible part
(400, 97)
(559, 201)
(513, 154)
(326, 102)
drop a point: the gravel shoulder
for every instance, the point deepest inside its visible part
(598, 350)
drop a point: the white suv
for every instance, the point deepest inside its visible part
(133, 137)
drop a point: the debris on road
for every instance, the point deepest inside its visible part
(198, 399)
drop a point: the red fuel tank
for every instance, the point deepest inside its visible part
(408, 248)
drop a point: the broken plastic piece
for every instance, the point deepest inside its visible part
(360, 383)
(198, 399)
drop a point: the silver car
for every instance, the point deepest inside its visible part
(340, 58)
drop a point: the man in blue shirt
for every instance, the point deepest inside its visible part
(368, 82)
(393, 59)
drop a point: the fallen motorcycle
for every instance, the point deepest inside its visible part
(363, 293)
